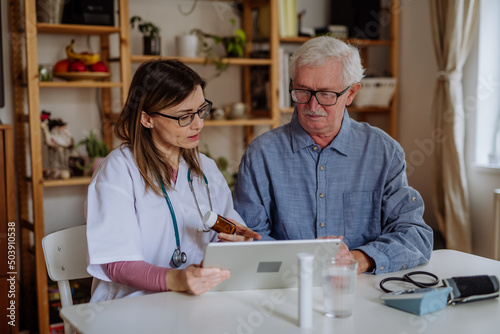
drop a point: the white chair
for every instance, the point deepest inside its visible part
(65, 254)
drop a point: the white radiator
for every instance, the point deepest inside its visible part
(496, 228)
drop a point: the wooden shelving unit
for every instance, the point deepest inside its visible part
(8, 235)
(271, 117)
(231, 61)
(27, 122)
(79, 84)
(364, 44)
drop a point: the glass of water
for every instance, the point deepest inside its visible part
(339, 286)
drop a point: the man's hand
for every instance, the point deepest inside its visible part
(365, 263)
(243, 233)
(195, 279)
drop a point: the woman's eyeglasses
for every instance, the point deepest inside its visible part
(187, 119)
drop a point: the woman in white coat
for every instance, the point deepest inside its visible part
(145, 202)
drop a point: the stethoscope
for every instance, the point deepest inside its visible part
(179, 257)
(408, 279)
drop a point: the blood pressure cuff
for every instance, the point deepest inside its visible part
(471, 288)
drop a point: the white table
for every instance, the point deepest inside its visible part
(275, 311)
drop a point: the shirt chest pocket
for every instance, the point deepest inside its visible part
(361, 217)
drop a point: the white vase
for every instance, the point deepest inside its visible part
(187, 46)
(238, 110)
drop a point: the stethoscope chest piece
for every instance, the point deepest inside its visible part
(178, 257)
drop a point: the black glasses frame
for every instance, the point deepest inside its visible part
(208, 104)
(314, 92)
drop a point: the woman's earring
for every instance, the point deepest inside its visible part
(151, 126)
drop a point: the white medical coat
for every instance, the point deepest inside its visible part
(126, 223)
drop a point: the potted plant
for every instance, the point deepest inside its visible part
(96, 148)
(234, 46)
(150, 32)
(223, 166)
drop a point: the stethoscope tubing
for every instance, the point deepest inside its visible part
(408, 278)
(179, 257)
(190, 181)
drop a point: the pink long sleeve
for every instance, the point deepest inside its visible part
(138, 274)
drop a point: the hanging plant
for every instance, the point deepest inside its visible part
(234, 46)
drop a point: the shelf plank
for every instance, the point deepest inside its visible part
(287, 110)
(355, 41)
(224, 122)
(81, 29)
(201, 60)
(350, 109)
(239, 122)
(369, 109)
(74, 181)
(79, 84)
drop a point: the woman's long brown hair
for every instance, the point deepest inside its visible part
(156, 85)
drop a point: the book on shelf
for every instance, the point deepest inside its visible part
(284, 78)
(263, 22)
(288, 18)
(292, 24)
(281, 17)
(259, 83)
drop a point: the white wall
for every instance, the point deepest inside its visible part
(417, 79)
(64, 206)
(417, 74)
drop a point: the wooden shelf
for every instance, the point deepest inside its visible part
(239, 122)
(223, 122)
(390, 43)
(79, 84)
(351, 109)
(287, 110)
(29, 92)
(201, 60)
(80, 29)
(355, 41)
(74, 181)
(370, 109)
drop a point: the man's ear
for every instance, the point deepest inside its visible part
(352, 93)
(146, 120)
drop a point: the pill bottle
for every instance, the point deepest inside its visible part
(218, 223)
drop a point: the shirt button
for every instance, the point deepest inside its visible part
(315, 148)
(321, 195)
(413, 199)
(381, 268)
(322, 224)
(322, 167)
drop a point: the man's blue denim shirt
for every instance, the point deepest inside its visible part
(356, 187)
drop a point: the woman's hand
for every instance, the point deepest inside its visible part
(195, 279)
(242, 233)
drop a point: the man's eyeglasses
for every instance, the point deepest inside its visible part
(187, 119)
(325, 98)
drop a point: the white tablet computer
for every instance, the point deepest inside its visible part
(266, 264)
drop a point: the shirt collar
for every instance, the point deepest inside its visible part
(300, 138)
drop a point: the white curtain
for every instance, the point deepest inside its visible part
(452, 22)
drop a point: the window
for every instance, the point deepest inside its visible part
(487, 97)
